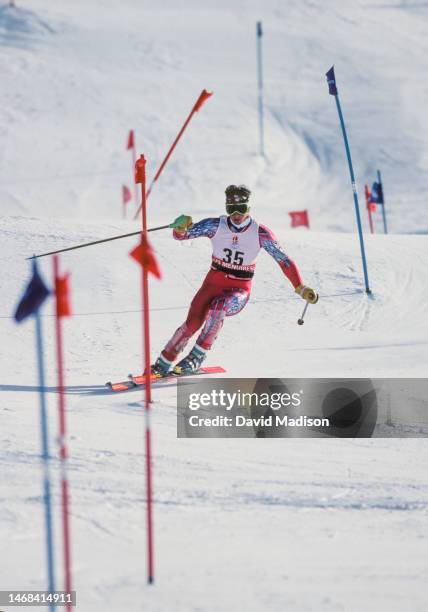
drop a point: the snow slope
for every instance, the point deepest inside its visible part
(286, 524)
(94, 70)
(240, 525)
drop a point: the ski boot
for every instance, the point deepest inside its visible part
(160, 368)
(191, 363)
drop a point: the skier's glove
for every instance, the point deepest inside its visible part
(182, 223)
(307, 294)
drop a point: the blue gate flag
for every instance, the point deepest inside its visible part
(34, 296)
(377, 193)
(331, 80)
(259, 29)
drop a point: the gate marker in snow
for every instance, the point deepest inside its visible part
(378, 197)
(371, 207)
(260, 85)
(130, 145)
(332, 90)
(199, 102)
(143, 254)
(63, 310)
(33, 298)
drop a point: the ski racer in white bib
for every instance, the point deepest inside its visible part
(236, 240)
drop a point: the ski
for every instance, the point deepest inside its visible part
(139, 381)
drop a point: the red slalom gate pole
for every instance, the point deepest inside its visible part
(198, 104)
(134, 160)
(131, 145)
(369, 212)
(63, 309)
(141, 178)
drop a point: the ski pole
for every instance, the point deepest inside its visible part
(81, 246)
(301, 321)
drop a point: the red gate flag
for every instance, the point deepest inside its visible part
(126, 194)
(202, 98)
(62, 290)
(371, 203)
(140, 165)
(130, 143)
(299, 217)
(34, 296)
(143, 254)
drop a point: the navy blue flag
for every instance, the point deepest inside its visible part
(331, 80)
(34, 296)
(259, 29)
(377, 193)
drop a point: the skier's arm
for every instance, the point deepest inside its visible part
(270, 244)
(205, 228)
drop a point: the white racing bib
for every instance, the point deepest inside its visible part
(236, 250)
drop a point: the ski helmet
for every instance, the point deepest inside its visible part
(237, 194)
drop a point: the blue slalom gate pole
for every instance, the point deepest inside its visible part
(332, 89)
(379, 180)
(45, 458)
(34, 295)
(260, 86)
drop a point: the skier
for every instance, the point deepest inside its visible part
(236, 241)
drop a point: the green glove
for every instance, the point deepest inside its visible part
(182, 223)
(307, 294)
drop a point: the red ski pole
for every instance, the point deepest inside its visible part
(199, 102)
(63, 310)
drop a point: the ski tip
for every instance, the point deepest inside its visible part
(212, 370)
(122, 386)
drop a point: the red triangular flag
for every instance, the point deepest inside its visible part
(62, 291)
(202, 98)
(126, 194)
(143, 254)
(140, 169)
(299, 217)
(130, 144)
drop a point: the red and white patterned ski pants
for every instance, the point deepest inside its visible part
(220, 296)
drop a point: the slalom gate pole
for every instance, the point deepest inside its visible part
(369, 212)
(147, 386)
(332, 88)
(65, 498)
(81, 246)
(134, 159)
(260, 85)
(199, 102)
(379, 180)
(45, 458)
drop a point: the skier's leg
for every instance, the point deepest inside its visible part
(227, 305)
(196, 316)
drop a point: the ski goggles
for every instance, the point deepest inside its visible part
(240, 208)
